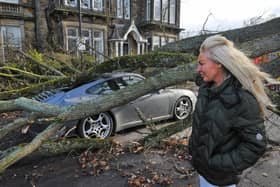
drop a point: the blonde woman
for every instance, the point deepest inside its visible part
(228, 130)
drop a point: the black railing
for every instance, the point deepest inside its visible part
(61, 6)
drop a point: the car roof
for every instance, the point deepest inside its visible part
(119, 74)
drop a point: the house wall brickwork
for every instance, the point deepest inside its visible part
(44, 25)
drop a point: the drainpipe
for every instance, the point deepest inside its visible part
(2, 46)
(38, 42)
(80, 29)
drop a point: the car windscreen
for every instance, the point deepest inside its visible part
(101, 88)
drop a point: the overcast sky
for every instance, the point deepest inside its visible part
(227, 14)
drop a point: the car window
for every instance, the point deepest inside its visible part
(101, 88)
(120, 82)
(131, 79)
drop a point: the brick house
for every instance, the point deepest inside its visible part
(96, 27)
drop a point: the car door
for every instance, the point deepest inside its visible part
(154, 105)
(126, 114)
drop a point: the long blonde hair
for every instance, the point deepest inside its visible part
(222, 51)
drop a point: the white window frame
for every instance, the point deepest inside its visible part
(86, 38)
(148, 10)
(97, 5)
(157, 10)
(156, 42)
(164, 11)
(4, 37)
(72, 3)
(72, 37)
(83, 4)
(126, 9)
(123, 9)
(119, 8)
(172, 15)
(100, 40)
(92, 40)
(163, 41)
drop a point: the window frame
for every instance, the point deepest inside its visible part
(92, 41)
(4, 29)
(100, 8)
(148, 10)
(70, 4)
(162, 40)
(158, 6)
(124, 9)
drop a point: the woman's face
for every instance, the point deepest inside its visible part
(209, 70)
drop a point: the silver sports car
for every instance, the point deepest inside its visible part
(156, 106)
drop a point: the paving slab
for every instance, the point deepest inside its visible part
(266, 171)
(272, 125)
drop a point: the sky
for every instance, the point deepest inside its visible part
(226, 14)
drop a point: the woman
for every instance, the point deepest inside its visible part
(228, 123)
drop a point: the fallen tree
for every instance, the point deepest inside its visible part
(63, 114)
(60, 115)
(138, 63)
(255, 41)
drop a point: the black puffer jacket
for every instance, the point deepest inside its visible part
(228, 132)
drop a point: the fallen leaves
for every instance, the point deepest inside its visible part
(143, 172)
(147, 181)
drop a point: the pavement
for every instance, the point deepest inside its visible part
(265, 173)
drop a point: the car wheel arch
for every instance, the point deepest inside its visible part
(175, 103)
(80, 125)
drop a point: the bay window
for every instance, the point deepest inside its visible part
(92, 42)
(163, 10)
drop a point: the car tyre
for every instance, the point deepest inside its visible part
(97, 126)
(182, 108)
